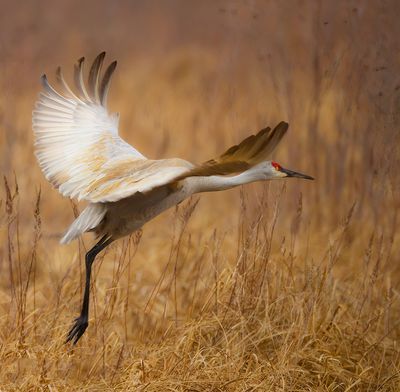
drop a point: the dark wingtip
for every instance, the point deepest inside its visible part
(100, 57)
(58, 72)
(105, 83)
(283, 124)
(43, 80)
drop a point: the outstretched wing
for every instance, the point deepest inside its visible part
(78, 146)
(251, 151)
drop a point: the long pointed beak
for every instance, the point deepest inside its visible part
(291, 173)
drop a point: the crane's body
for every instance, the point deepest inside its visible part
(81, 154)
(120, 218)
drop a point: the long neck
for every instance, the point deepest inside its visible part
(220, 183)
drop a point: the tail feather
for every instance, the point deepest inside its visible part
(89, 218)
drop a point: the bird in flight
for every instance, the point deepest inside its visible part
(80, 152)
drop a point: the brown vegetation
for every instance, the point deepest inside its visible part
(285, 286)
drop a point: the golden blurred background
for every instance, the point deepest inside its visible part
(192, 79)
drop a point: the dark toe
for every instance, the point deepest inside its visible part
(77, 330)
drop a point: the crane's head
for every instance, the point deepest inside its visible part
(281, 172)
(275, 170)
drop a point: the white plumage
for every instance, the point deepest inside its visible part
(88, 220)
(78, 146)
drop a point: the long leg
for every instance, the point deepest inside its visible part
(82, 321)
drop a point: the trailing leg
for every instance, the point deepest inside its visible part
(82, 321)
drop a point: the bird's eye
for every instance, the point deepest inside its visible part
(277, 166)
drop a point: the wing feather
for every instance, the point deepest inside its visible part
(105, 84)
(94, 76)
(63, 83)
(78, 146)
(81, 154)
(78, 76)
(249, 152)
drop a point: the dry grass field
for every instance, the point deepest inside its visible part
(282, 286)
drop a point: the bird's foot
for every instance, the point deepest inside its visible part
(78, 329)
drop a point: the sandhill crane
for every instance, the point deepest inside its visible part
(80, 152)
